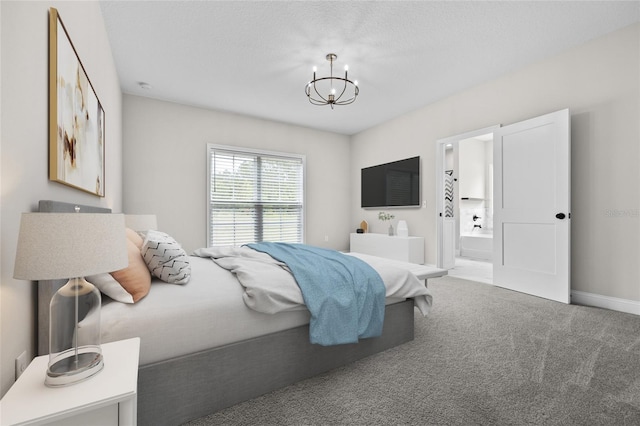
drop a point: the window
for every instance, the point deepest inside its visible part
(254, 196)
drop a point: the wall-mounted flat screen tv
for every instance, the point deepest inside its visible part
(395, 184)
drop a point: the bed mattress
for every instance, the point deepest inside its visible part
(179, 319)
(208, 311)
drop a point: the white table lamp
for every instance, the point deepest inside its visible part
(54, 246)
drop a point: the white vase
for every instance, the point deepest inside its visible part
(402, 229)
(390, 230)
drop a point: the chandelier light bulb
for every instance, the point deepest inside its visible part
(332, 90)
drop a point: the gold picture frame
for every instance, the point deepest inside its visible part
(76, 117)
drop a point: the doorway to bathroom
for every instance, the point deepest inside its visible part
(465, 179)
(531, 205)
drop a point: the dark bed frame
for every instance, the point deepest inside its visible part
(180, 389)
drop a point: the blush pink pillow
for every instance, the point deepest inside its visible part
(130, 284)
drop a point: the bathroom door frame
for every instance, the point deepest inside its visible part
(446, 241)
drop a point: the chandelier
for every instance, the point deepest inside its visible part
(334, 88)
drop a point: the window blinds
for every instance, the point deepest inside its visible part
(254, 197)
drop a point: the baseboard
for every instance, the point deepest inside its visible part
(605, 302)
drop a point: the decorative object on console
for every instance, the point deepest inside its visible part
(76, 117)
(383, 216)
(331, 86)
(364, 226)
(402, 229)
(62, 245)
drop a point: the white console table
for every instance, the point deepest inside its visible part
(405, 249)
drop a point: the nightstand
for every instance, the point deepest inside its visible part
(108, 398)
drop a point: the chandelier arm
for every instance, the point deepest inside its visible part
(347, 102)
(324, 101)
(321, 101)
(343, 90)
(318, 93)
(352, 99)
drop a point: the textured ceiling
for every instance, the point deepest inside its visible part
(254, 58)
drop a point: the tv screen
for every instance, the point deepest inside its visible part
(395, 184)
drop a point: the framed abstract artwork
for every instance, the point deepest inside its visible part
(76, 117)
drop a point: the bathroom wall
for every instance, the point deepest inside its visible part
(474, 171)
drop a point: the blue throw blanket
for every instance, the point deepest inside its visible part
(344, 294)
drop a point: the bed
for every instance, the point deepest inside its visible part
(196, 362)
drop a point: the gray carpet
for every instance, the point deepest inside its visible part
(484, 356)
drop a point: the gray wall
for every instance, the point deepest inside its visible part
(24, 144)
(165, 167)
(599, 83)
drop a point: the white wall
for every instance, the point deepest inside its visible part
(24, 145)
(599, 83)
(165, 167)
(472, 167)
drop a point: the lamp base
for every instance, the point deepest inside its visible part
(71, 368)
(74, 334)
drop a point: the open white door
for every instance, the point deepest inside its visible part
(532, 206)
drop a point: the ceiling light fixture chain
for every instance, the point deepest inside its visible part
(327, 84)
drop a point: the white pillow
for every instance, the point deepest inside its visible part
(165, 258)
(109, 286)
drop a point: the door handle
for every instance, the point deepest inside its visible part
(560, 216)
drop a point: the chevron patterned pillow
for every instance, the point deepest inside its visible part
(165, 258)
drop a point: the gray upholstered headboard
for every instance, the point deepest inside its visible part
(46, 289)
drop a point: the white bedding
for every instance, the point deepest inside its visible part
(210, 311)
(271, 288)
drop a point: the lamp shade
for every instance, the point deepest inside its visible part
(62, 245)
(141, 222)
